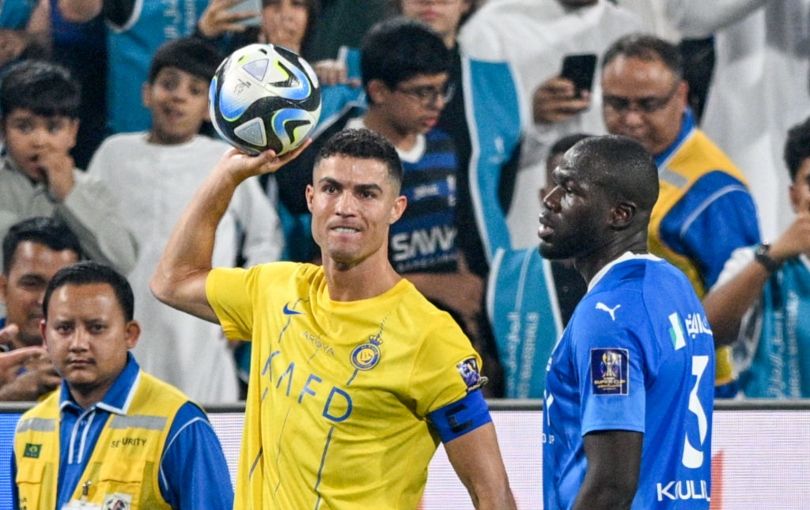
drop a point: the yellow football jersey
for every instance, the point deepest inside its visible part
(339, 391)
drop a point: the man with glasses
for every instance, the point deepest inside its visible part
(534, 37)
(704, 211)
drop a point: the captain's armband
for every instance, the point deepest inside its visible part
(460, 417)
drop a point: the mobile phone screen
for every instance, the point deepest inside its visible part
(249, 6)
(580, 70)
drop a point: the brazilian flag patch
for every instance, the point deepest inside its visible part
(32, 450)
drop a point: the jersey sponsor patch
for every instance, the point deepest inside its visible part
(609, 371)
(471, 374)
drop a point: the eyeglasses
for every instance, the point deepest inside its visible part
(650, 104)
(427, 95)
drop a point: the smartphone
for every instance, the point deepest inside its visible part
(249, 6)
(580, 69)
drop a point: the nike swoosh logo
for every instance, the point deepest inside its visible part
(289, 311)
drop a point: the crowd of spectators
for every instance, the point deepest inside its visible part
(472, 96)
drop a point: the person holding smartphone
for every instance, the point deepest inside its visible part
(287, 23)
(535, 38)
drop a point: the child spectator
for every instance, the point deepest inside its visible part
(761, 303)
(155, 174)
(39, 104)
(135, 30)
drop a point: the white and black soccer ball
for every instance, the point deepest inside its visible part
(264, 97)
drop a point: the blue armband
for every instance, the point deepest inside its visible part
(462, 416)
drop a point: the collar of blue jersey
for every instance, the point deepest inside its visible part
(687, 126)
(117, 398)
(624, 257)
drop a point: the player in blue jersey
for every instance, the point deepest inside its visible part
(629, 387)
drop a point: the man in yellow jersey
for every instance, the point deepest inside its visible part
(704, 210)
(355, 376)
(113, 436)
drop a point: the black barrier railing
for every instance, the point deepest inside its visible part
(514, 405)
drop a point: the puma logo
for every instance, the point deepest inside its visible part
(605, 308)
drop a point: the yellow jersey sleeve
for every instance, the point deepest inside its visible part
(227, 292)
(446, 367)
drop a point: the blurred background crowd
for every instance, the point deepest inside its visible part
(106, 135)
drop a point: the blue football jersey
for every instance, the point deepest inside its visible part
(637, 355)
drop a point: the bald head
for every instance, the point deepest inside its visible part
(620, 166)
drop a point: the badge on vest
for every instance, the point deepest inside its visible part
(117, 501)
(80, 505)
(32, 450)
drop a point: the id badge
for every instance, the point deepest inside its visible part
(80, 505)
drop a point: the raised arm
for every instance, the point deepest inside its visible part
(614, 458)
(476, 458)
(729, 300)
(179, 279)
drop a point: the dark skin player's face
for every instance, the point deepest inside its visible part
(574, 214)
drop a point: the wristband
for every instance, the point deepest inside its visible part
(761, 256)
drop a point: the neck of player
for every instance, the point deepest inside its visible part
(363, 280)
(591, 263)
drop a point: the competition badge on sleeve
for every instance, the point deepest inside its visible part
(471, 374)
(609, 371)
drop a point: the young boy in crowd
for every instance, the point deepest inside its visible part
(405, 71)
(155, 174)
(39, 104)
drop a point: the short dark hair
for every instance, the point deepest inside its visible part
(397, 49)
(622, 167)
(797, 147)
(363, 144)
(45, 88)
(88, 273)
(50, 232)
(189, 54)
(646, 47)
(562, 145)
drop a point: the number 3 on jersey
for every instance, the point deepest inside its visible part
(693, 457)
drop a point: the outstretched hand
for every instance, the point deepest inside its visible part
(241, 166)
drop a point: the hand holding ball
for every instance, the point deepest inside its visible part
(264, 97)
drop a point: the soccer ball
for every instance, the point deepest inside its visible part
(264, 97)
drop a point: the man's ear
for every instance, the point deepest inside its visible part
(132, 333)
(377, 91)
(622, 215)
(310, 194)
(43, 325)
(146, 95)
(400, 203)
(3, 288)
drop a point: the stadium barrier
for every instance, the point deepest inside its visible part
(760, 454)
